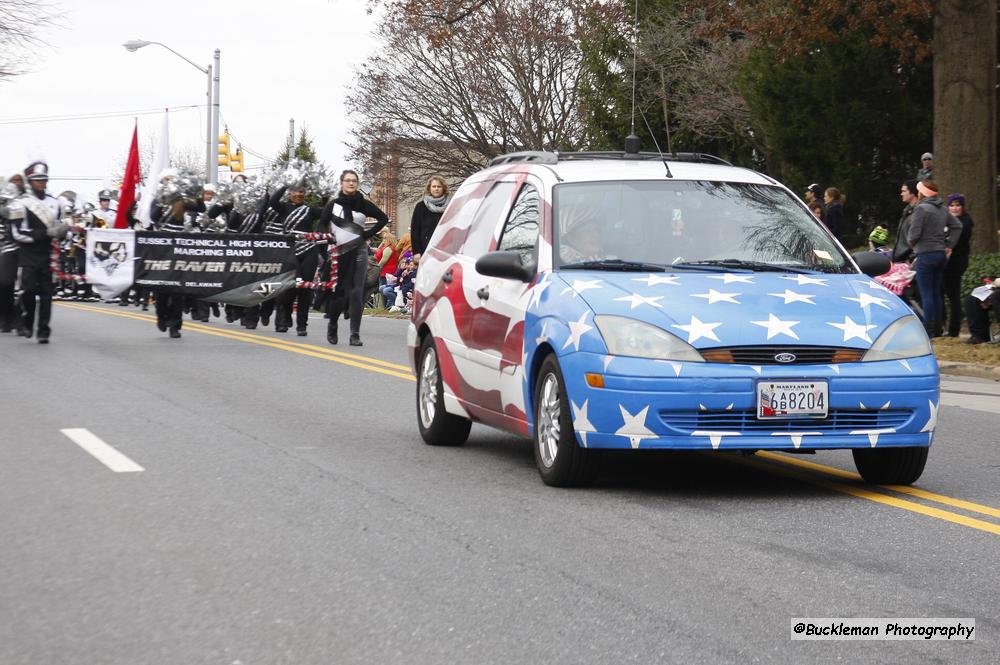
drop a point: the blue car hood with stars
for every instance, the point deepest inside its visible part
(747, 308)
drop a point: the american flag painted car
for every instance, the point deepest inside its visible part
(597, 301)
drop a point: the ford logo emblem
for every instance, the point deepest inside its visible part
(784, 357)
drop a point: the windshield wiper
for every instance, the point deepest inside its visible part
(758, 266)
(614, 264)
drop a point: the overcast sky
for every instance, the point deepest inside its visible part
(280, 60)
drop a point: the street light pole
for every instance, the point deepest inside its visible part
(211, 109)
(213, 175)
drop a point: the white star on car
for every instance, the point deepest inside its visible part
(537, 290)
(792, 296)
(580, 285)
(576, 330)
(729, 278)
(581, 422)
(653, 280)
(932, 420)
(635, 300)
(865, 300)
(697, 329)
(776, 326)
(714, 296)
(802, 280)
(635, 426)
(852, 329)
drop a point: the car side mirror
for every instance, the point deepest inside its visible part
(872, 264)
(509, 265)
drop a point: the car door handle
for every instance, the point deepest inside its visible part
(484, 293)
(448, 276)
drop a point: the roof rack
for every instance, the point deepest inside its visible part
(533, 156)
(552, 158)
(696, 157)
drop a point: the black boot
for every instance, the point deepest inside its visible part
(331, 334)
(356, 340)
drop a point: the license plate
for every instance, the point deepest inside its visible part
(792, 399)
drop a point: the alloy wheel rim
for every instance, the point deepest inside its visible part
(428, 388)
(548, 420)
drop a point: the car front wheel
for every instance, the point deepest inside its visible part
(437, 426)
(890, 466)
(560, 460)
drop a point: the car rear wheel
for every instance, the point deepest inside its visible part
(437, 426)
(560, 460)
(890, 466)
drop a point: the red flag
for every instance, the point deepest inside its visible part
(127, 196)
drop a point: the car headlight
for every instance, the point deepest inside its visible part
(904, 338)
(629, 337)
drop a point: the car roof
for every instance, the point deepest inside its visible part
(589, 170)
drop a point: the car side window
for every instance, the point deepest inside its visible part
(520, 233)
(487, 218)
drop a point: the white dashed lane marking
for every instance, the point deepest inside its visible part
(105, 454)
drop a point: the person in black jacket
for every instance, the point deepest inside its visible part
(833, 216)
(36, 220)
(427, 213)
(297, 219)
(908, 195)
(346, 217)
(957, 264)
(8, 258)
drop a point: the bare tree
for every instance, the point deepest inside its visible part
(506, 77)
(20, 23)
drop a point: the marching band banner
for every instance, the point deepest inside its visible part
(231, 268)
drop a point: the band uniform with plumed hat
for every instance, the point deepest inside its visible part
(37, 171)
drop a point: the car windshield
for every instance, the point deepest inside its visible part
(689, 226)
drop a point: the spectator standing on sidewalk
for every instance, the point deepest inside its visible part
(957, 264)
(908, 195)
(926, 171)
(933, 233)
(833, 215)
(427, 213)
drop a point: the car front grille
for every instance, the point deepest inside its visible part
(796, 355)
(838, 421)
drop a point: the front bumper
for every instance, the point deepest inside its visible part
(652, 404)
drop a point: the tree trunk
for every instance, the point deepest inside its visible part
(965, 161)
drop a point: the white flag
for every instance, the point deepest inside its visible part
(110, 260)
(161, 160)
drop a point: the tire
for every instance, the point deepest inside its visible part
(437, 426)
(890, 466)
(561, 461)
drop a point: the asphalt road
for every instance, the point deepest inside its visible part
(288, 512)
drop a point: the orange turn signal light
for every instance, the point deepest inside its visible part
(594, 380)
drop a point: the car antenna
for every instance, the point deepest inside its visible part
(632, 140)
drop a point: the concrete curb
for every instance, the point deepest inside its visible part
(969, 369)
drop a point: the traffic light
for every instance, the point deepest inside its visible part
(236, 161)
(224, 156)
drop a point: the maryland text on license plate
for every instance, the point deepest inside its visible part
(792, 399)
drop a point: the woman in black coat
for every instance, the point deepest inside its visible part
(346, 217)
(427, 213)
(957, 264)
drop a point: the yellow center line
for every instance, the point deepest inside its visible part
(877, 497)
(351, 360)
(760, 461)
(901, 489)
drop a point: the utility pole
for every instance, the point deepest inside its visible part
(291, 139)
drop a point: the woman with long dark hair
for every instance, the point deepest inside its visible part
(957, 264)
(346, 217)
